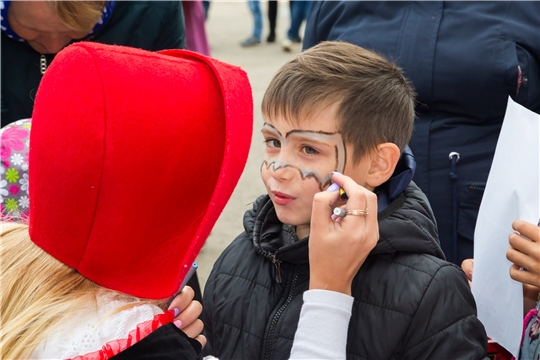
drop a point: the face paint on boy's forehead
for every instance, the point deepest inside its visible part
(323, 180)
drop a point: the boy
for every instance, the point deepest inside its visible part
(339, 107)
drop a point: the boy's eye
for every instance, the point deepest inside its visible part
(308, 150)
(273, 143)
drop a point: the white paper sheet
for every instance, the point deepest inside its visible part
(512, 192)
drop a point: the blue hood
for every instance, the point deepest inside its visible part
(400, 179)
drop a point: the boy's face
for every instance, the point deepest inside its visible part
(298, 163)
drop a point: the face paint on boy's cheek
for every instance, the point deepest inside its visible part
(341, 159)
(323, 181)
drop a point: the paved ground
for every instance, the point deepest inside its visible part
(228, 24)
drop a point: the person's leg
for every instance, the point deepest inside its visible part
(255, 38)
(297, 12)
(272, 16)
(257, 17)
(307, 6)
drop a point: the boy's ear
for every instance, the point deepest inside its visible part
(383, 163)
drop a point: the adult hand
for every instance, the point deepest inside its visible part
(467, 266)
(337, 249)
(524, 253)
(188, 317)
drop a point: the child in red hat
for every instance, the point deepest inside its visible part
(133, 157)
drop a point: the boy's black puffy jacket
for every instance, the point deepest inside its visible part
(409, 302)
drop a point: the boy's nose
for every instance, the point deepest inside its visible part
(282, 172)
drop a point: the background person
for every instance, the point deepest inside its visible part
(299, 11)
(194, 18)
(272, 19)
(34, 31)
(255, 38)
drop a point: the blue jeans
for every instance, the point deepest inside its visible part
(255, 8)
(299, 12)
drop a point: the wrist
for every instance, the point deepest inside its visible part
(344, 288)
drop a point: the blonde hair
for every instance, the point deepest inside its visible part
(78, 15)
(37, 293)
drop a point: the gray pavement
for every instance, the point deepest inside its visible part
(228, 24)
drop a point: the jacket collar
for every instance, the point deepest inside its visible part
(400, 179)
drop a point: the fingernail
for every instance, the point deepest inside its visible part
(178, 323)
(336, 172)
(176, 312)
(333, 188)
(334, 217)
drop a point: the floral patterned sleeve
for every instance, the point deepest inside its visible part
(14, 202)
(530, 342)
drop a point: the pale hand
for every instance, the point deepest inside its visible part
(189, 314)
(337, 249)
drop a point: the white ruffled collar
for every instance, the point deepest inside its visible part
(89, 331)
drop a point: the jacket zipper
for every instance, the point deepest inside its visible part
(277, 264)
(270, 339)
(42, 64)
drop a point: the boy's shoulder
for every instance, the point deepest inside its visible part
(408, 225)
(430, 265)
(422, 266)
(406, 282)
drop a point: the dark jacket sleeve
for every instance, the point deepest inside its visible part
(445, 324)
(167, 342)
(520, 42)
(311, 32)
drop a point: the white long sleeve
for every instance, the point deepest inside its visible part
(323, 326)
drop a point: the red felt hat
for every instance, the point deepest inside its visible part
(133, 156)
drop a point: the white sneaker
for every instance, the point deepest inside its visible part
(286, 44)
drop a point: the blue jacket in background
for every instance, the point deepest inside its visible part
(464, 59)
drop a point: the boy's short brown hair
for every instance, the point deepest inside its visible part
(376, 102)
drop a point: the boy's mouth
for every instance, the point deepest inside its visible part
(281, 198)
